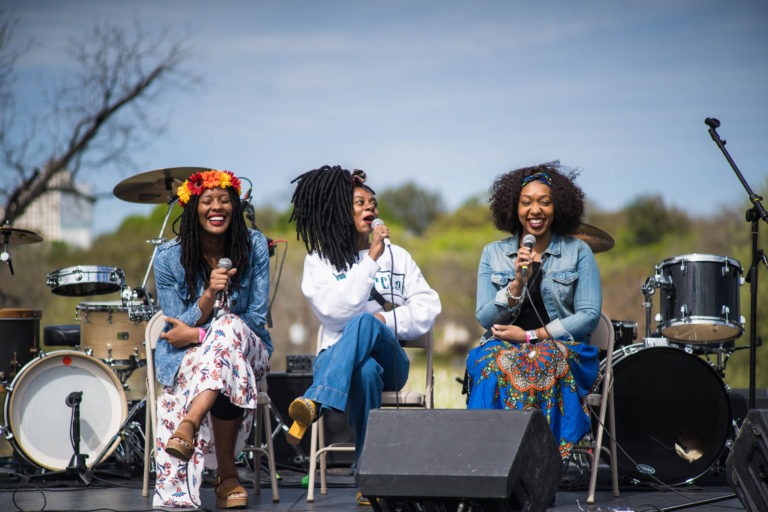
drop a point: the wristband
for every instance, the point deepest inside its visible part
(527, 336)
(202, 334)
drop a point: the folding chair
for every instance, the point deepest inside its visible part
(318, 448)
(603, 338)
(262, 442)
(151, 333)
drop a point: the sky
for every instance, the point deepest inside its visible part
(448, 94)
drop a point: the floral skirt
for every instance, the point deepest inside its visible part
(552, 376)
(233, 360)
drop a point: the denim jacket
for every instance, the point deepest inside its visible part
(248, 300)
(570, 287)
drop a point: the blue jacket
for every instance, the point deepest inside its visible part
(248, 300)
(570, 287)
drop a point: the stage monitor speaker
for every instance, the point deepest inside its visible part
(489, 460)
(283, 387)
(747, 464)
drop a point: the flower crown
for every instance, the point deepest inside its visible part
(195, 184)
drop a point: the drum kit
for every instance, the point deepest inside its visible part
(672, 406)
(87, 389)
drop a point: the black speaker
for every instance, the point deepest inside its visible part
(747, 464)
(434, 460)
(282, 388)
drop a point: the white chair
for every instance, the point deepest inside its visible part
(262, 442)
(318, 448)
(602, 338)
(151, 333)
(262, 420)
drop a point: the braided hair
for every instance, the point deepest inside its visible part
(237, 246)
(322, 209)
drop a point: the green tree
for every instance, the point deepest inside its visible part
(411, 206)
(649, 219)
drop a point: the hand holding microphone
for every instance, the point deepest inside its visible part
(226, 264)
(379, 222)
(528, 241)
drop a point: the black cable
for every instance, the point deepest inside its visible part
(394, 317)
(279, 272)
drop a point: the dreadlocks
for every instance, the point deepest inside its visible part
(237, 247)
(322, 209)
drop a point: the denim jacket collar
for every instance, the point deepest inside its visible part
(552, 249)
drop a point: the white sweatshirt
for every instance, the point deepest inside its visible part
(337, 297)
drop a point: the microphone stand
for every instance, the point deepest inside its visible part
(754, 215)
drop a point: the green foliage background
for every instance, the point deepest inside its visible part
(447, 251)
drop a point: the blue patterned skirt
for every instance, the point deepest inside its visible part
(552, 376)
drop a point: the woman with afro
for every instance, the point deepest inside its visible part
(539, 297)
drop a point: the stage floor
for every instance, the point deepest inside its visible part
(124, 494)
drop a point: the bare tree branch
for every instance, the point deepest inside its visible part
(116, 72)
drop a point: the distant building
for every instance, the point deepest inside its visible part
(62, 217)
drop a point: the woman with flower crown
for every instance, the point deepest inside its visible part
(214, 349)
(539, 304)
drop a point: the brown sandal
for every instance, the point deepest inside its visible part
(181, 446)
(226, 486)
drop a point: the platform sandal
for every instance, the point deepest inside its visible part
(181, 446)
(226, 486)
(303, 412)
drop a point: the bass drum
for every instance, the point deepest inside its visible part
(39, 418)
(673, 415)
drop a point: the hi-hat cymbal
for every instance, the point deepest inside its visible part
(18, 236)
(156, 187)
(597, 239)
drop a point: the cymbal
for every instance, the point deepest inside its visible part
(597, 239)
(154, 187)
(18, 236)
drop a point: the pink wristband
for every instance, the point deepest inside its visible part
(202, 334)
(527, 337)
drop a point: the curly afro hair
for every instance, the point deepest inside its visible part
(568, 198)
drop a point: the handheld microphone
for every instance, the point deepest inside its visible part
(227, 264)
(379, 222)
(528, 241)
(74, 398)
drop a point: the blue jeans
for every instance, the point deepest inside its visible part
(351, 374)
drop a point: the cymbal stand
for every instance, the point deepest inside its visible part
(156, 242)
(754, 215)
(5, 255)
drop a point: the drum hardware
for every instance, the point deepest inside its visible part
(754, 215)
(77, 462)
(18, 237)
(122, 432)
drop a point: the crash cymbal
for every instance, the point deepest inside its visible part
(18, 236)
(155, 187)
(597, 239)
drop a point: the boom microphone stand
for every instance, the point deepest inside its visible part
(754, 215)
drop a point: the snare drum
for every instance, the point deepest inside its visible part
(700, 298)
(86, 280)
(673, 415)
(39, 418)
(106, 331)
